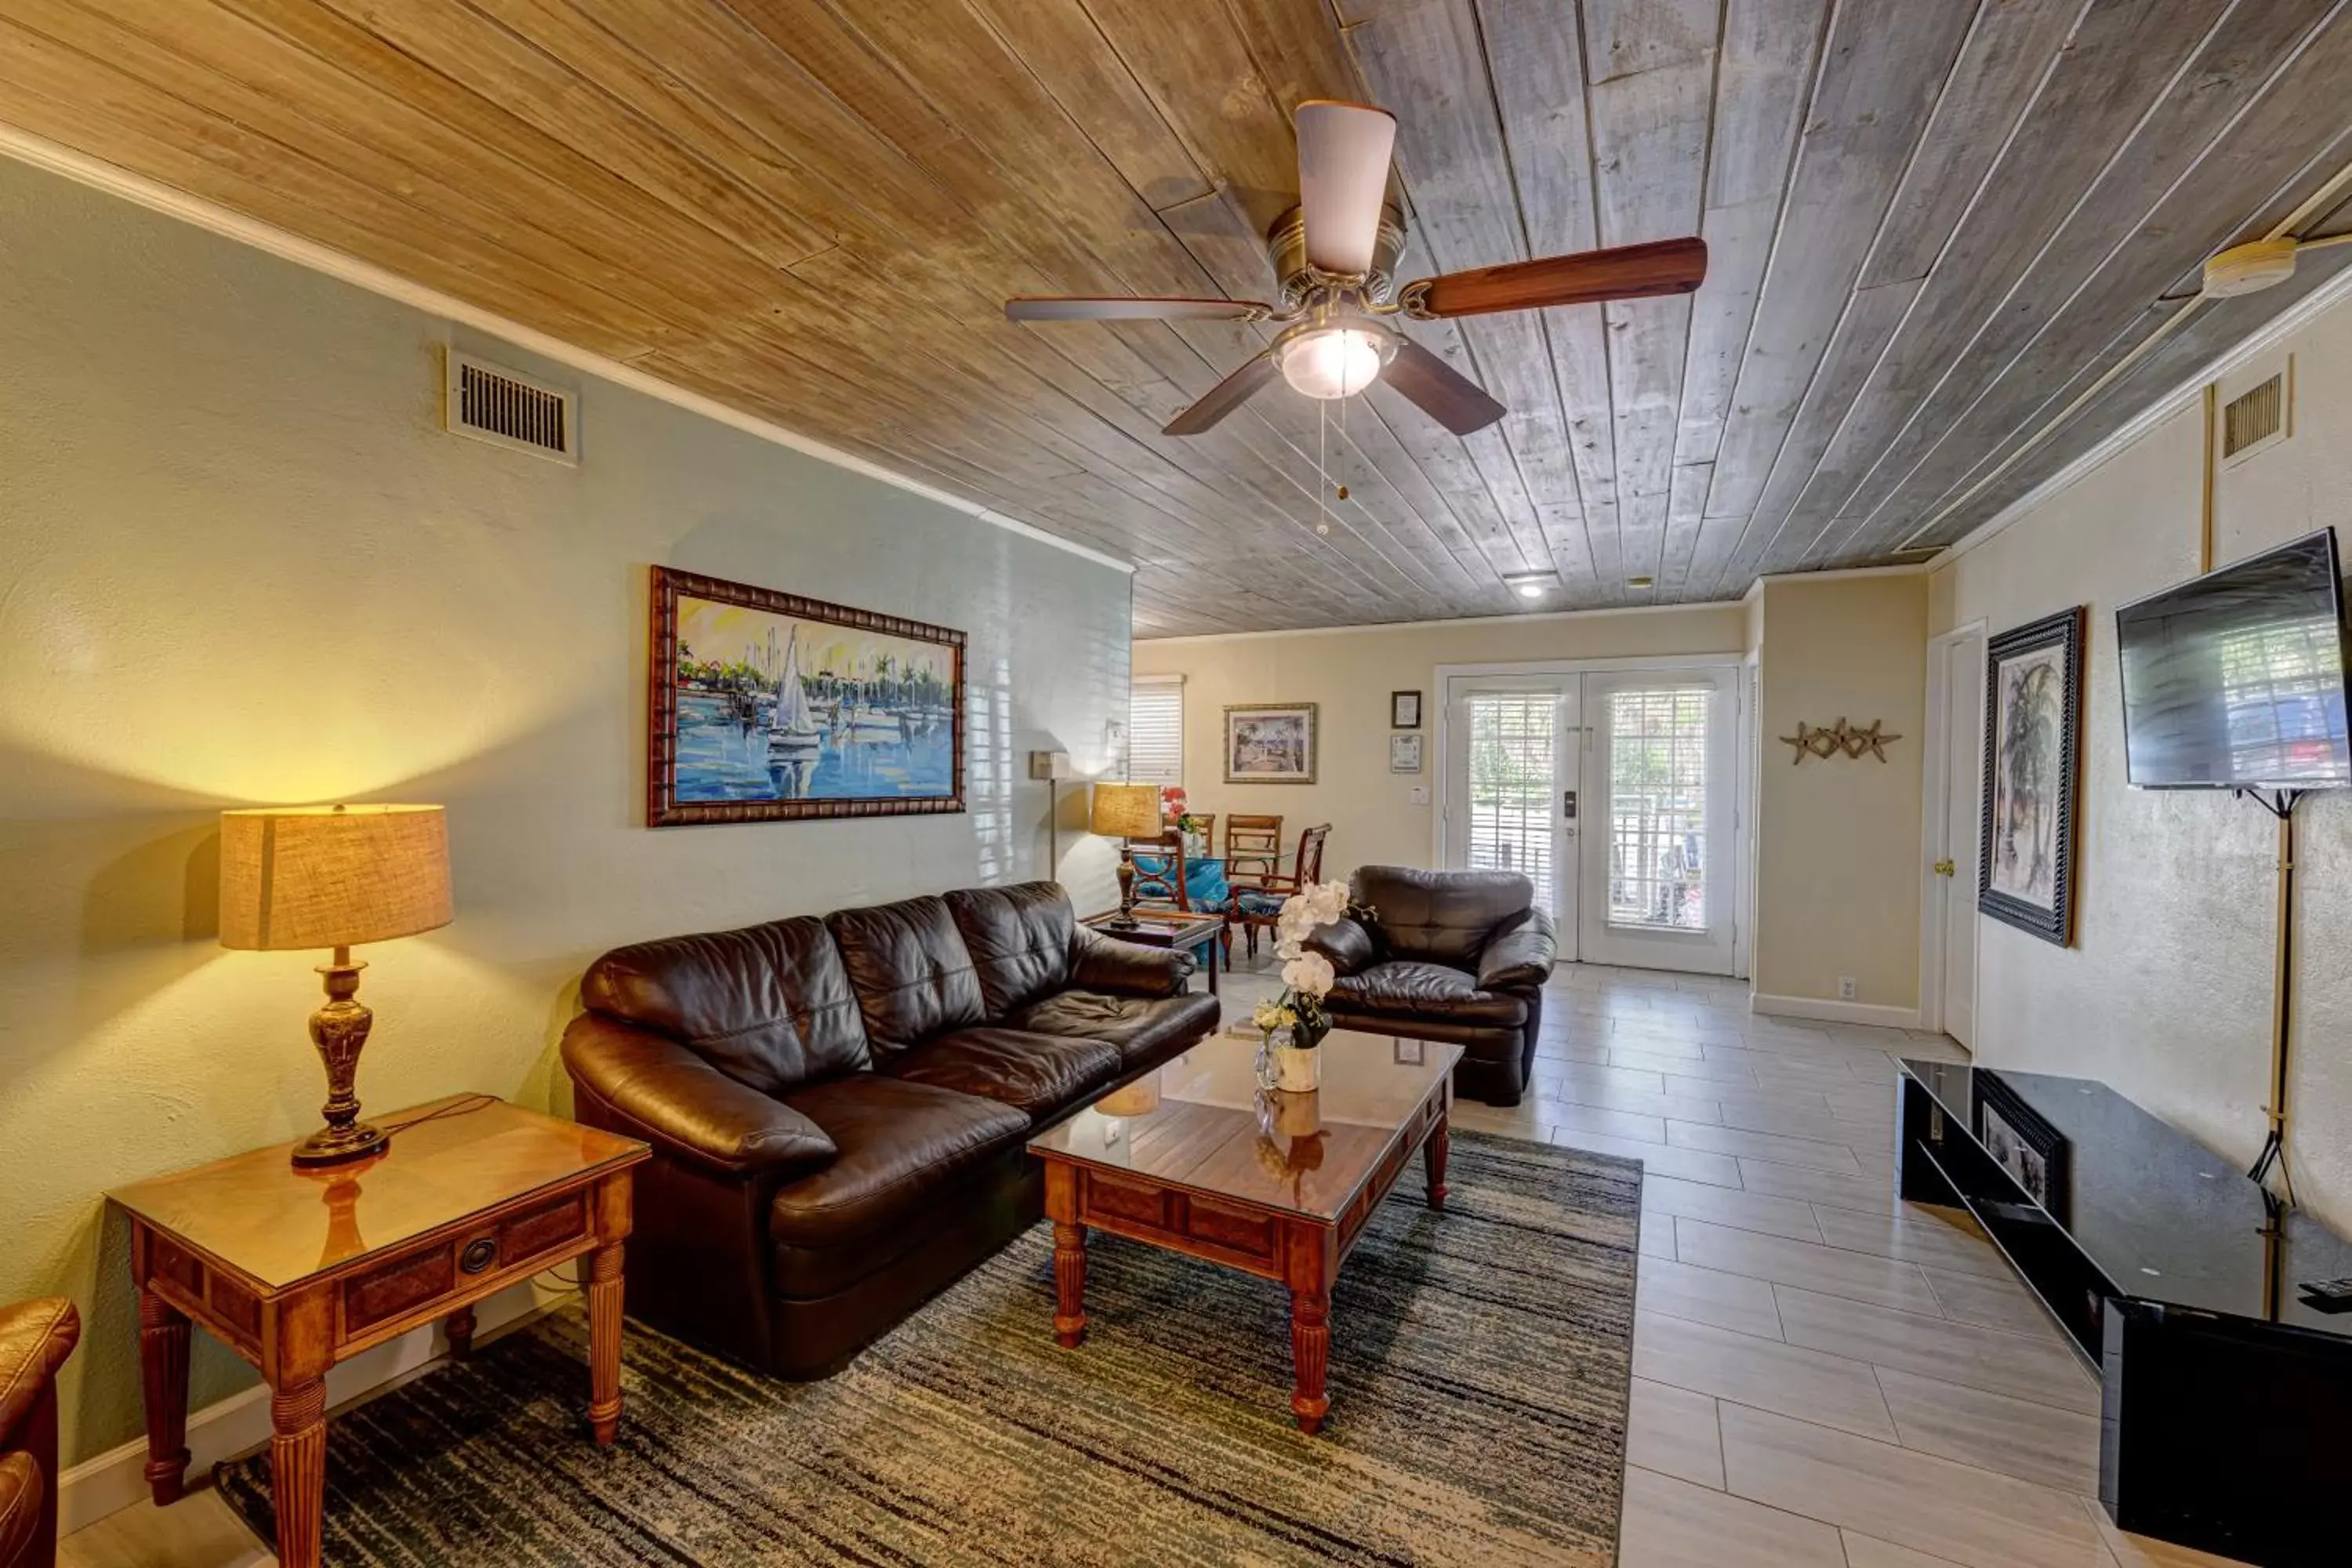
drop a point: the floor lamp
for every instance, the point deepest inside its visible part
(1054, 768)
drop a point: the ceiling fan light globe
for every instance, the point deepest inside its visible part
(1333, 362)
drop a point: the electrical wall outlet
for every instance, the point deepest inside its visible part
(1846, 988)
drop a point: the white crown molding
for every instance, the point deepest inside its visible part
(1838, 574)
(2182, 399)
(1506, 618)
(43, 154)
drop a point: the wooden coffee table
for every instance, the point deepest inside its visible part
(296, 1269)
(1195, 1158)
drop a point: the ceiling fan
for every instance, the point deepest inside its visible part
(1336, 253)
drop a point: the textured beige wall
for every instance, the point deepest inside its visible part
(2167, 993)
(1373, 817)
(1838, 840)
(239, 563)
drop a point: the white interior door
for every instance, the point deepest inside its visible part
(1511, 754)
(1954, 827)
(1661, 775)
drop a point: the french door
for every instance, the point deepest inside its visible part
(1615, 792)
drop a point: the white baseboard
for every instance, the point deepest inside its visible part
(1834, 1012)
(116, 1478)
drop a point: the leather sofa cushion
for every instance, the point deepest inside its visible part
(1146, 1029)
(1408, 989)
(35, 1338)
(1020, 938)
(902, 1148)
(1443, 917)
(1041, 1075)
(913, 975)
(769, 1005)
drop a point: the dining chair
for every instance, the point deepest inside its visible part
(1260, 905)
(1253, 847)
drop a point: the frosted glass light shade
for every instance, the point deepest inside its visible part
(1337, 362)
(311, 877)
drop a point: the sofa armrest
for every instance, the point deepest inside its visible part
(686, 1107)
(1520, 953)
(35, 1338)
(1347, 943)
(1098, 963)
(22, 1490)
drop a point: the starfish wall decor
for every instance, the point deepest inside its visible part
(1828, 742)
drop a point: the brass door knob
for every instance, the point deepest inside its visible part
(1944, 869)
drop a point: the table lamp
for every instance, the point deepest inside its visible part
(333, 877)
(1125, 811)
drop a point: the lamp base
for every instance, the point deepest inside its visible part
(339, 1030)
(338, 1145)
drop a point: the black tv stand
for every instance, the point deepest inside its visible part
(2227, 1397)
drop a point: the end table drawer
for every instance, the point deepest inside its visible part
(409, 1284)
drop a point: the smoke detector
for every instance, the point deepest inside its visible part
(2250, 268)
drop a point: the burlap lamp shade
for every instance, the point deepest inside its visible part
(1125, 811)
(334, 876)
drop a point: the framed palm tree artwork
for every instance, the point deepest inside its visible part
(2033, 776)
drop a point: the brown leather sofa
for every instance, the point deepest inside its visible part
(1449, 955)
(839, 1108)
(35, 1338)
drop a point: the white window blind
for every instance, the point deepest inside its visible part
(1155, 733)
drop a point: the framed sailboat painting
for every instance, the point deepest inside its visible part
(767, 707)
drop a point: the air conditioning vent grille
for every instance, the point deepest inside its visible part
(492, 403)
(2254, 416)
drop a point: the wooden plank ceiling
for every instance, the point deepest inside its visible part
(1933, 224)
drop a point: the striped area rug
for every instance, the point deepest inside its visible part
(1478, 1381)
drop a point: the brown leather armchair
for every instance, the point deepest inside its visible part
(839, 1108)
(1449, 955)
(35, 1338)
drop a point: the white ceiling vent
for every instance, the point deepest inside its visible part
(506, 408)
(2258, 418)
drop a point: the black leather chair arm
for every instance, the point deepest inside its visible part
(1346, 944)
(685, 1107)
(1521, 953)
(1098, 963)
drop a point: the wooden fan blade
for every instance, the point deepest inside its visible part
(1343, 180)
(1222, 398)
(1440, 391)
(1588, 277)
(1131, 308)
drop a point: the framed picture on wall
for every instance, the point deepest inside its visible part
(2033, 776)
(1405, 710)
(767, 707)
(1270, 743)
(1404, 754)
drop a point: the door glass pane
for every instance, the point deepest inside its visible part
(1658, 807)
(1513, 786)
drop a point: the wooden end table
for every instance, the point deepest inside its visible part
(1197, 1159)
(1195, 934)
(298, 1270)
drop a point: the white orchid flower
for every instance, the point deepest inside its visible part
(1309, 973)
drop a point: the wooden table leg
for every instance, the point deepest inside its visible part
(604, 1342)
(163, 1370)
(297, 1469)
(460, 1329)
(1210, 947)
(1069, 1256)
(1069, 1284)
(1432, 1160)
(1310, 1356)
(1310, 1259)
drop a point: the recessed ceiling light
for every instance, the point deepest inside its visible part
(1531, 584)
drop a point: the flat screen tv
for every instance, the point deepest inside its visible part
(2235, 680)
